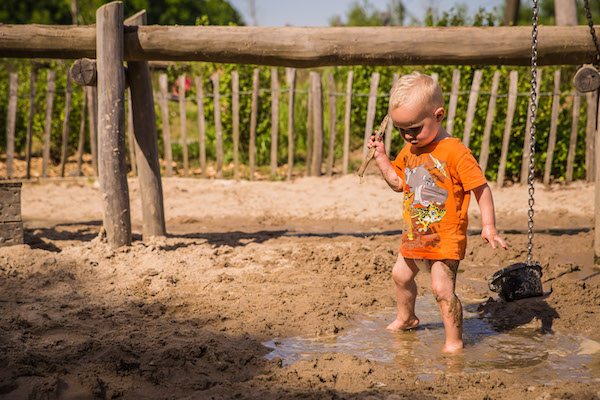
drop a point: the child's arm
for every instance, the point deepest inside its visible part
(385, 165)
(489, 233)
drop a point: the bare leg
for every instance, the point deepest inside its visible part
(403, 274)
(443, 282)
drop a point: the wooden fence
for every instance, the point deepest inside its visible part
(314, 158)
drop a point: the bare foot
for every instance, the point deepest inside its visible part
(453, 347)
(399, 325)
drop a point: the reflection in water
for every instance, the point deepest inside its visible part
(545, 357)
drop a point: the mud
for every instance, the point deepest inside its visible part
(246, 262)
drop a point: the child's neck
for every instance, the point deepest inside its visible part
(441, 135)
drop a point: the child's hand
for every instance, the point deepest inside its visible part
(379, 147)
(490, 235)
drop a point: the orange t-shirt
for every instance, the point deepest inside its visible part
(437, 180)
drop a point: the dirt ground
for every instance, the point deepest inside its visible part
(245, 262)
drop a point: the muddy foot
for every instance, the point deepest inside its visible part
(453, 347)
(399, 325)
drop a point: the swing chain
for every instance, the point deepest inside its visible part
(533, 108)
(588, 14)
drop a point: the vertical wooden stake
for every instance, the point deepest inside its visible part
(32, 80)
(597, 198)
(65, 132)
(332, 118)
(235, 109)
(489, 121)
(11, 119)
(592, 111)
(453, 101)
(347, 122)
(390, 126)
(291, 82)
(510, 112)
(201, 124)
(146, 141)
(50, 89)
(111, 125)
(81, 143)
(218, 126)
(317, 89)
(435, 76)
(527, 142)
(130, 135)
(473, 97)
(92, 104)
(573, 141)
(553, 127)
(371, 109)
(309, 126)
(253, 121)
(166, 127)
(183, 121)
(274, 120)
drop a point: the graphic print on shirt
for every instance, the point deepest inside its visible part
(424, 199)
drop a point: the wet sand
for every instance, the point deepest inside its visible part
(246, 262)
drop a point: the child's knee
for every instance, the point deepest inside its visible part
(443, 292)
(402, 273)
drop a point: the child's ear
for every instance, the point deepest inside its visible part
(439, 114)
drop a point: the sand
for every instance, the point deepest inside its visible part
(245, 262)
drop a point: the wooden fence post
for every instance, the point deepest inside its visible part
(291, 82)
(332, 118)
(489, 121)
(111, 126)
(201, 124)
(309, 126)
(597, 198)
(253, 121)
(11, 119)
(92, 104)
(390, 126)
(553, 127)
(130, 136)
(218, 127)
(235, 109)
(146, 141)
(65, 132)
(274, 120)
(183, 123)
(371, 109)
(317, 159)
(510, 112)
(527, 142)
(50, 89)
(32, 80)
(573, 141)
(592, 111)
(347, 122)
(166, 128)
(81, 143)
(453, 101)
(473, 97)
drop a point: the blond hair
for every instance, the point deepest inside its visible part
(416, 88)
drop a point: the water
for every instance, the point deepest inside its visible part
(543, 357)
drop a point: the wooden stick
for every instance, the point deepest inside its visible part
(32, 79)
(378, 137)
(11, 119)
(317, 159)
(453, 101)
(65, 132)
(573, 141)
(510, 112)
(592, 111)
(347, 121)
(371, 109)
(235, 109)
(253, 121)
(111, 125)
(309, 127)
(291, 82)
(274, 120)
(527, 142)
(489, 120)
(183, 124)
(332, 118)
(166, 128)
(50, 89)
(201, 124)
(81, 143)
(473, 96)
(130, 136)
(92, 96)
(553, 127)
(218, 127)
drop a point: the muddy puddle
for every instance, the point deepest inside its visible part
(541, 356)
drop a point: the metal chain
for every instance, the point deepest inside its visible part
(533, 108)
(588, 14)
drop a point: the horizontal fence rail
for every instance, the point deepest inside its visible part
(311, 47)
